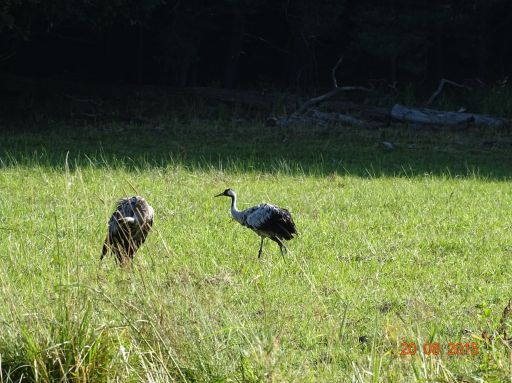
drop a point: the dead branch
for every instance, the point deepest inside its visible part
(336, 89)
(7, 56)
(90, 101)
(323, 97)
(333, 72)
(439, 89)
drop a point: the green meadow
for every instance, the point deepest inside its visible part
(411, 244)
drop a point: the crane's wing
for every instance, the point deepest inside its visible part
(271, 219)
(256, 216)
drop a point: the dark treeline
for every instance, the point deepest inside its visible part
(256, 43)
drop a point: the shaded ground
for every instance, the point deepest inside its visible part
(228, 142)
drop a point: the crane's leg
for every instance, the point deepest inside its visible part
(261, 248)
(119, 255)
(104, 250)
(281, 245)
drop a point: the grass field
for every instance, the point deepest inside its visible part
(412, 244)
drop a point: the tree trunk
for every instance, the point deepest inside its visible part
(482, 9)
(302, 62)
(182, 73)
(140, 45)
(232, 65)
(393, 61)
(438, 49)
(393, 69)
(297, 61)
(109, 56)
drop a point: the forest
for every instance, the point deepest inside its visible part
(258, 44)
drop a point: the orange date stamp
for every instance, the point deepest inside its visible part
(436, 348)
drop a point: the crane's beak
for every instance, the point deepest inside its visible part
(218, 195)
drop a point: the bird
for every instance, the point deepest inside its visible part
(268, 221)
(128, 228)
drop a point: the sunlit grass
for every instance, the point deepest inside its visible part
(379, 259)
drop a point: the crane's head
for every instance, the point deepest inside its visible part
(227, 193)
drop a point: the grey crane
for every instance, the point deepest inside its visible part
(268, 221)
(128, 228)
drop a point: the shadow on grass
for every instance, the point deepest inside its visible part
(246, 146)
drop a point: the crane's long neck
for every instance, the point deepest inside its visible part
(237, 214)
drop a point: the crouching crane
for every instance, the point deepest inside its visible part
(128, 228)
(268, 221)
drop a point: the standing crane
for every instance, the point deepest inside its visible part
(128, 228)
(268, 221)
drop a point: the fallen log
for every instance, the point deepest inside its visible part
(293, 120)
(345, 111)
(262, 100)
(437, 117)
(336, 117)
(369, 112)
(316, 117)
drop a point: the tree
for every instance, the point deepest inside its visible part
(308, 22)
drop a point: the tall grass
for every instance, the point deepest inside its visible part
(387, 254)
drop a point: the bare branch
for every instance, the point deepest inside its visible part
(83, 100)
(333, 72)
(334, 91)
(323, 97)
(439, 89)
(7, 56)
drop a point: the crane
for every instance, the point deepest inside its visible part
(268, 221)
(128, 228)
